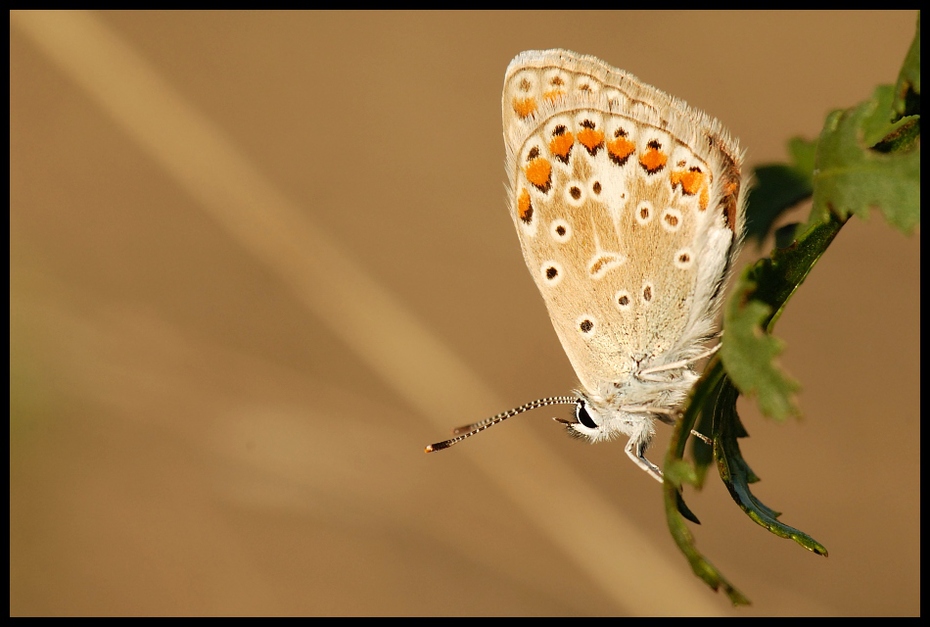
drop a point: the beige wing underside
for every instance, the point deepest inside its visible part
(628, 207)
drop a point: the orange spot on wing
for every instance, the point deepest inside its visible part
(653, 160)
(561, 145)
(553, 95)
(538, 172)
(591, 139)
(620, 149)
(693, 182)
(690, 181)
(524, 107)
(525, 207)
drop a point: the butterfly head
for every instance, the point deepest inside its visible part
(587, 424)
(598, 422)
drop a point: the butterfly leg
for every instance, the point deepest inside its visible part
(636, 449)
(646, 375)
(664, 415)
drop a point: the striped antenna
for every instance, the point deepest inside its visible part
(467, 431)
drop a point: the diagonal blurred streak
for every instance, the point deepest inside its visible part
(371, 321)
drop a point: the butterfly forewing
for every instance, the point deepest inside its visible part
(627, 205)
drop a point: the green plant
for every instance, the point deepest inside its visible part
(867, 157)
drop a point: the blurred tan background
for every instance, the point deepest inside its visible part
(259, 260)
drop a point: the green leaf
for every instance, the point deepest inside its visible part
(907, 89)
(676, 472)
(778, 187)
(702, 453)
(750, 355)
(737, 475)
(759, 297)
(866, 157)
(851, 178)
(714, 397)
(803, 155)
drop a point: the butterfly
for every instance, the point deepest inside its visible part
(630, 208)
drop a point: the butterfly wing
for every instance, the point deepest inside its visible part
(629, 207)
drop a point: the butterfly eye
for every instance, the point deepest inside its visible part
(584, 417)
